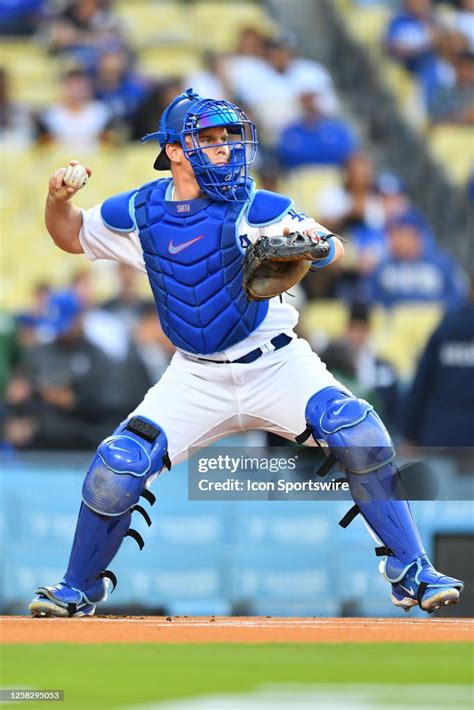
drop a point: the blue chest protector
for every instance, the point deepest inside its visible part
(194, 262)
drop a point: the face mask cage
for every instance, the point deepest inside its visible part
(229, 182)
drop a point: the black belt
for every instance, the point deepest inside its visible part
(278, 342)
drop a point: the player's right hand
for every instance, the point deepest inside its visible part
(57, 190)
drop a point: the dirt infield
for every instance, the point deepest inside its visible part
(20, 629)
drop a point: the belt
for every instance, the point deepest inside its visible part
(278, 342)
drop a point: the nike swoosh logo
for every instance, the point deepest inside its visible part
(176, 249)
(408, 589)
(115, 447)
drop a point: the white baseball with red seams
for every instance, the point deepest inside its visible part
(76, 176)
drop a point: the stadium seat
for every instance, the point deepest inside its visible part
(402, 334)
(216, 25)
(305, 183)
(326, 317)
(166, 61)
(32, 74)
(149, 24)
(454, 146)
(368, 25)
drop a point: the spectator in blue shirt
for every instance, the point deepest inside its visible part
(20, 17)
(117, 84)
(411, 35)
(415, 270)
(440, 406)
(315, 139)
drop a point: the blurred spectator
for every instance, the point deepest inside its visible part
(70, 398)
(455, 104)
(117, 85)
(461, 20)
(414, 270)
(315, 138)
(20, 17)
(340, 358)
(105, 330)
(248, 60)
(411, 35)
(32, 323)
(440, 406)
(127, 304)
(416, 38)
(82, 29)
(16, 122)
(209, 80)
(357, 364)
(465, 21)
(356, 209)
(373, 373)
(470, 188)
(9, 348)
(153, 346)
(147, 116)
(77, 119)
(395, 199)
(275, 74)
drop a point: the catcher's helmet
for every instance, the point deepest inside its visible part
(187, 115)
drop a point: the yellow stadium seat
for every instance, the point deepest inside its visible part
(148, 23)
(217, 25)
(168, 61)
(454, 146)
(304, 184)
(32, 74)
(368, 25)
(402, 334)
(328, 317)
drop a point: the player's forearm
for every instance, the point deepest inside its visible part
(63, 222)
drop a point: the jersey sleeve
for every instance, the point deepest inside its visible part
(294, 220)
(101, 242)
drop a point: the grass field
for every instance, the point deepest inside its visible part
(130, 675)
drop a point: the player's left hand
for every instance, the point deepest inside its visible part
(275, 263)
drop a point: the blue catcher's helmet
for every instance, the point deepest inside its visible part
(182, 121)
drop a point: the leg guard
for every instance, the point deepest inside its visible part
(112, 488)
(359, 441)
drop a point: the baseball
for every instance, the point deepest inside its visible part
(75, 176)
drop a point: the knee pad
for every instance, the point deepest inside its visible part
(353, 431)
(123, 464)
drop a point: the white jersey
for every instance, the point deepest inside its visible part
(100, 242)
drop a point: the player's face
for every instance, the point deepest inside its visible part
(214, 144)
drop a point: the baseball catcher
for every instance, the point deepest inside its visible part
(219, 255)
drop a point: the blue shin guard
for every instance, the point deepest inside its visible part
(112, 488)
(359, 441)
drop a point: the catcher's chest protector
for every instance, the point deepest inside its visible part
(194, 266)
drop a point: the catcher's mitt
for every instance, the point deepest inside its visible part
(272, 265)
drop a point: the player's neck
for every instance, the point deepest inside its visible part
(185, 188)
